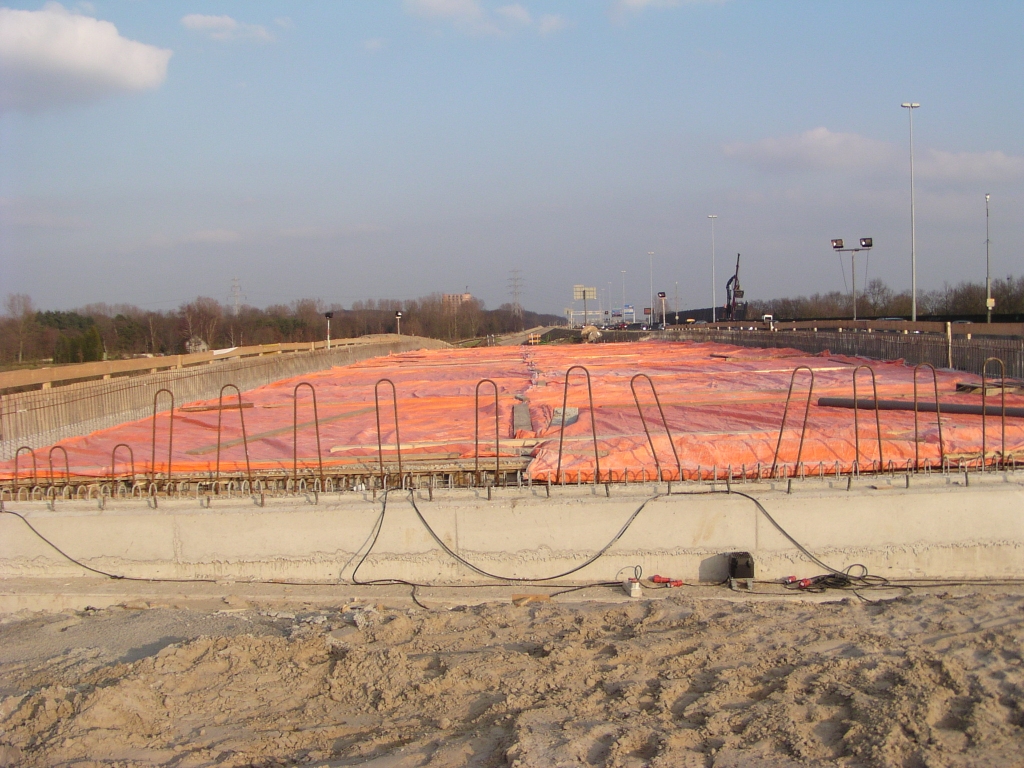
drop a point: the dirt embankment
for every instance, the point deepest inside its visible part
(918, 681)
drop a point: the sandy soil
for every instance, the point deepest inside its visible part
(924, 680)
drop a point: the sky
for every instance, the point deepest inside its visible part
(152, 152)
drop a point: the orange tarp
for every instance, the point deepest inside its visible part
(722, 404)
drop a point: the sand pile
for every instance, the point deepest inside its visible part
(924, 680)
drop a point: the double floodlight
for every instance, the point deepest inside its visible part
(865, 243)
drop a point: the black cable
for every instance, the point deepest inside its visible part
(520, 579)
(80, 564)
(378, 525)
(834, 579)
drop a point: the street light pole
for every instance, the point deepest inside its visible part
(910, 107)
(651, 254)
(328, 315)
(714, 301)
(988, 279)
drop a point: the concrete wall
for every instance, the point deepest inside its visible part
(937, 528)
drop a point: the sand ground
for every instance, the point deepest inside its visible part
(927, 679)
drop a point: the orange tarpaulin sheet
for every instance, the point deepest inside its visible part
(723, 405)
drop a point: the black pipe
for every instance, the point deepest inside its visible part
(924, 406)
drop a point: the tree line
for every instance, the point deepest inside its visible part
(104, 331)
(879, 300)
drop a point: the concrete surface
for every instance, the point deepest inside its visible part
(937, 528)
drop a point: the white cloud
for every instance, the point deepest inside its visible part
(516, 13)
(823, 150)
(53, 57)
(968, 166)
(471, 17)
(816, 149)
(450, 9)
(225, 28)
(640, 5)
(551, 23)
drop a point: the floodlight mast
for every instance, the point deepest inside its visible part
(910, 107)
(989, 304)
(866, 244)
(714, 300)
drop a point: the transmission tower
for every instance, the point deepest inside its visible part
(515, 285)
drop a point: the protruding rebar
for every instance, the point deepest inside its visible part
(938, 413)
(67, 465)
(295, 433)
(593, 424)
(1002, 413)
(398, 437)
(170, 437)
(476, 431)
(245, 440)
(785, 414)
(856, 421)
(664, 423)
(35, 468)
(113, 464)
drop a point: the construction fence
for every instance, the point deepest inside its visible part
(954, 352)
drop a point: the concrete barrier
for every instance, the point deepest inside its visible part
(937, 528)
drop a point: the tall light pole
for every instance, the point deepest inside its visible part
(910, 107)
(651, 254)
(623, 294)
(988, 280)
(328, 315)
(714, 301)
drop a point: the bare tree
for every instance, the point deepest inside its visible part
(19, 309)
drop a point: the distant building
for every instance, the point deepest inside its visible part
(451, 302)
(196, 344)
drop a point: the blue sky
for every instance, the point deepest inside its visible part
(151, 152)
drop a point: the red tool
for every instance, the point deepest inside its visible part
(666, 580)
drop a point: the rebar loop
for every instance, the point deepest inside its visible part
(664, 423)
(785, 414)
(67, 465)
(170, 438)
(856, 421)
(295, 434)
(938, 413)
(476, 431)
(113, 465)
(398, 437)
(1002, 413)
(593, 424)
(245, 439)
(35, 468)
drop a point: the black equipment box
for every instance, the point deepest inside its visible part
(741, 565)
